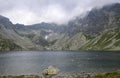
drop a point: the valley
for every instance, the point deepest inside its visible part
(99, 30)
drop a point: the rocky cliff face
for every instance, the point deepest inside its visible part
(86, 32)
(98, 30)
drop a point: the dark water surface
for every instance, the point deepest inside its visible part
(12, 63)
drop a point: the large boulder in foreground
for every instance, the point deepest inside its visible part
(50, 71)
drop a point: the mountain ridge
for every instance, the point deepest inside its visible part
(78, 34)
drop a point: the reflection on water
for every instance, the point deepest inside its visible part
(35, 62)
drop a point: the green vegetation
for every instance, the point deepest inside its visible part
(21, 76)
(99, 30)
(8, 45)
(108, 75)
(108, 40)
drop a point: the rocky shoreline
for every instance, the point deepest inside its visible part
(73, 75)
(54, 72)
(61, 75)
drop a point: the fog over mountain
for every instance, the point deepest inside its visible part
(57, 11)
(98, 30)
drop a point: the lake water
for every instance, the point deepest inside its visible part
(13, 63)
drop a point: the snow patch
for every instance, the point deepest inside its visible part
(46, 37)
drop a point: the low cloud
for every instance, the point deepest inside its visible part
(57, 11)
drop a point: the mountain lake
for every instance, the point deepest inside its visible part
(33, 62)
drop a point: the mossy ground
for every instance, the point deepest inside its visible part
(106, 75)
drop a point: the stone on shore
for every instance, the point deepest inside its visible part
(50, 71)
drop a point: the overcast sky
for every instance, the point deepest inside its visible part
(57, 11)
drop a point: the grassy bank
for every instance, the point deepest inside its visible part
(21, 76)
(108, 75)
(105, 75)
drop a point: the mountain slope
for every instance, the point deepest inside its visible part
(108, 40)
(98, 30)
(92, 27)
(8, 45)
(69, 43)
(8, 32)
